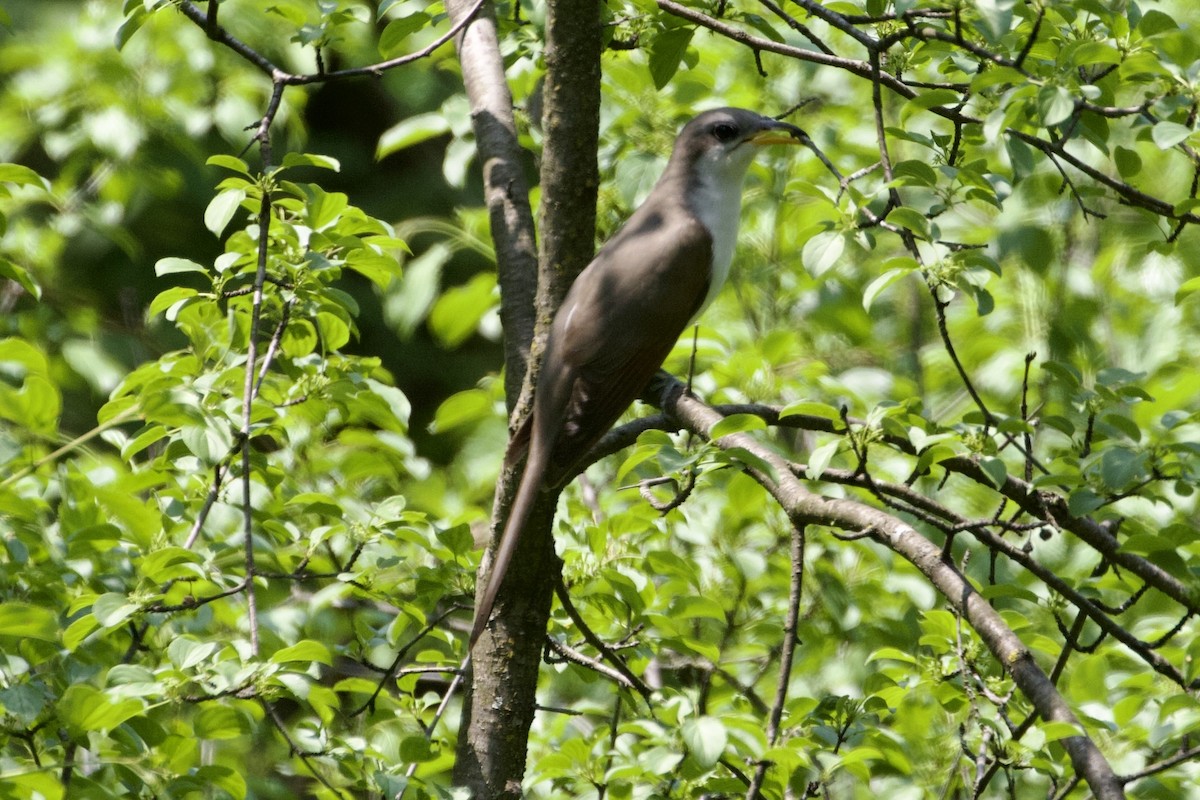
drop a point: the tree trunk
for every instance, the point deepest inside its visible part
(500, 698)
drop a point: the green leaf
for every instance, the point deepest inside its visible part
(914, 173)
(995, 17)
(994, 469)
(1096, 53)
(892, 654)
(186, 653)
(1187, 289)
(22, 176)
(417, 750)
(1053, 731)
(462, 408)
(1168, 134)
(311, 160)
(222, 208)
(324, 208)
(391, 41)
(877, 286)
(171, 265)
(706, 739)
(129, 27)
(666, 54)
(231, 163)
(911, 219)
(822, 252)
(1128, 162)
(1083, 501)
(21, 276)
(379, 268)
(87, 710)
(164, 564)
(697, 607)
(335, 332)
(413, 130)
(306, 650)
(226, 779)
(24, 621)
(174, 297)
(763, 26)
(221, 721)
(1118, 467)
(751, 460)
(819, 458)
(113, 609)
(457, 313)
(811, 409)
(1055, 105)
(995, 75)
(932, 98)
(1154, 22)
(736, 423)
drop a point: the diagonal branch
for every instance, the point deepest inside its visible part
(804, 507)
(216, 32)
(862, 69)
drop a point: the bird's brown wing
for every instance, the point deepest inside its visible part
(619, 323)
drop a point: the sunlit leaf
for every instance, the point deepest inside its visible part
(706, 739)
(411, 131)
(21, 620)
(222, 208)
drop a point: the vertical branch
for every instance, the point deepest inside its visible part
(210, 20)
(571, 122)
(786, 656)
(248, 391)
(506, 190)
(1029, 357)
(910, 242)
(501, 690)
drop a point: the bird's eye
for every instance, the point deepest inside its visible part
(724, 131)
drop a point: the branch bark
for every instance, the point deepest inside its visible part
(506, 190)
(499, 699)
(805, 508)
(500, 702)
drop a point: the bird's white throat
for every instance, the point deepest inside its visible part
(715, 197)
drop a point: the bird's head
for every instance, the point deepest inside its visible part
(721, 143)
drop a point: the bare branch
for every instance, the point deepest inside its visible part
(803, 507)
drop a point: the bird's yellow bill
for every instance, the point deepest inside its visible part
(773, 137)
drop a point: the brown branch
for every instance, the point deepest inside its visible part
(221, 36)
(501, 697)
(803, 507)
(390, 672)
(1127, 192)
(505, 189)
(1187, 754)
(633, 681)
(214, 31)
(787, 653)
(570, 654)
(1037, 504)
(296, 750)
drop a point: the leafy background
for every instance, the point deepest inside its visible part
(138, 662)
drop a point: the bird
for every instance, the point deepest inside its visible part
(627, 308)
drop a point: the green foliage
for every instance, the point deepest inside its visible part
(228, 532)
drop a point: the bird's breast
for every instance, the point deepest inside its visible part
(717, 204)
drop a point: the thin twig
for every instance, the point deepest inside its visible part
(787, 653)
(218, 34)
(590, 636)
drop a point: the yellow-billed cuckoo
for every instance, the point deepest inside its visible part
(627, 308)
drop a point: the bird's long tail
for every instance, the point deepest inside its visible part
(518, 516)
